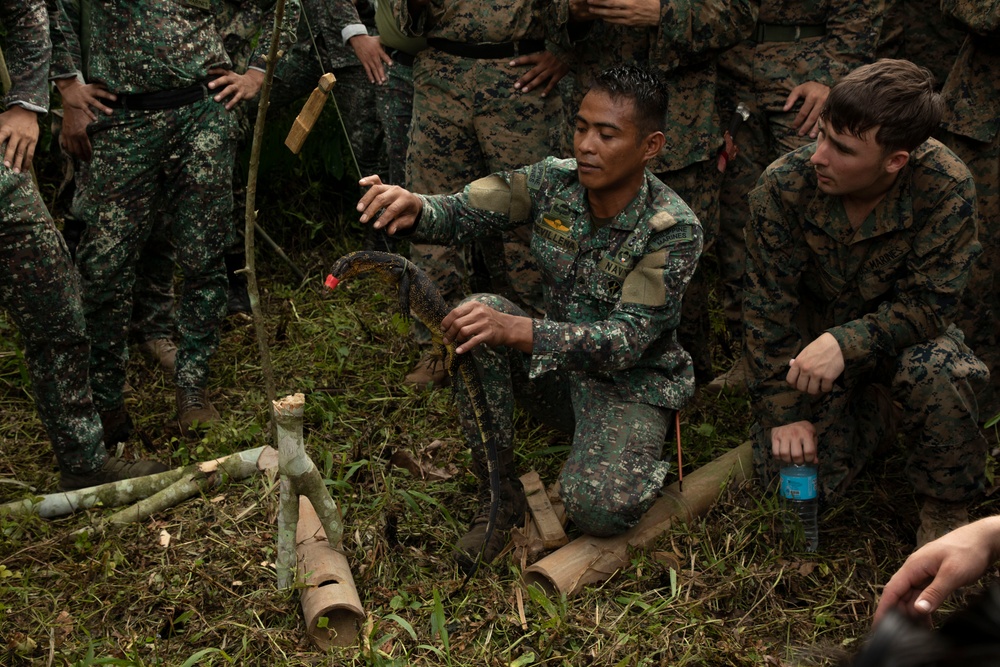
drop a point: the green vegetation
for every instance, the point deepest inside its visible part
(727, 590)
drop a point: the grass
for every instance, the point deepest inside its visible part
(727, 589)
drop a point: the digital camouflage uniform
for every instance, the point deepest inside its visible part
(888, 293)
(605, 361)
(468, 121)
(683, 49)
(395, 97)
(972, 124)
(148, 167)
(762, 73)
(39, 290)
(918, 31)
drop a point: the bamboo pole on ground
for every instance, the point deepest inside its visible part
(588, 560)
(128, 491)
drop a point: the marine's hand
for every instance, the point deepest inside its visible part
(813, 95)
(937, 569)
(627, 12)
(19, 128)
(814, 369)
(373, 57)
(236, 87)
(79, 102)
(795, 443)
(547, 71)
(399, 208)
(473, 323)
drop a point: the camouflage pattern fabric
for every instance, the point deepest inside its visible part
(762, 76)
(888, 293)
(972, 124)
(682, 48)
(605, 363)
(468, 122)
(148, 164)
(27, 52)
(614, 471)
(918, 31)
(394, 101)
(153, 292)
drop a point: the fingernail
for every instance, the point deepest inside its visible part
(922, 605)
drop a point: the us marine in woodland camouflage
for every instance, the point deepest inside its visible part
(469, 120)
(166, 151)
(859, 248)
(918, 31)
(972, 124)
(681, 42)
(39, 289)
(783, 74)
(616, 249)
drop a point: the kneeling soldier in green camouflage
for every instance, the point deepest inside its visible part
(616, 249)
(859, 247)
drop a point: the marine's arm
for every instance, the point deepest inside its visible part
(28, 53)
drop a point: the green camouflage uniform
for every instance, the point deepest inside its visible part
(468, 121)
(918, 31)
(972, 124)
(888, 293)
(151, 166)
(605, 361)
(39, 289)
(761, 74)
(683, 48)
(395, 97)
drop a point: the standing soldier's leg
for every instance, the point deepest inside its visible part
(205, 141)
(395, 108)
(153, 299)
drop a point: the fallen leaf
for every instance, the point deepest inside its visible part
(63, 628)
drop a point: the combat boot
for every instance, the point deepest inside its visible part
(113, 470)
(430, 370)
(938, 518)
(194, 408)
(161, 351)
(510, 512)
(734, 380)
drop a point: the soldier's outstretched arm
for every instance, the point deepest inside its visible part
(388, 207)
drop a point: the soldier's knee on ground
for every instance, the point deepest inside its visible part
(496, 302)
(601, 515)
(943, 367)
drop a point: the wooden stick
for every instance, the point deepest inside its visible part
(550, 531)
(306, 119)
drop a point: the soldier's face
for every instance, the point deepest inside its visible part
(850, 166)
(608, 145)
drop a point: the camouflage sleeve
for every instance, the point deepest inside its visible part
(980, 17)
(648, 310)
(555, 18)
(853, 28)
(770, 300)
(287, 36)
(689, 29)
(64, 31)
(28, 53)
(927, 298)
(346, 21)
(411, 24)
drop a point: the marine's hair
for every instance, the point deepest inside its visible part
(643, 87)
(895, 96)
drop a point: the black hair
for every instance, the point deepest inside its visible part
(643, 87)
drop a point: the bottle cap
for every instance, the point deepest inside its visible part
(331, 281)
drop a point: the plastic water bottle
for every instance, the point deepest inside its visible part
(798, 488)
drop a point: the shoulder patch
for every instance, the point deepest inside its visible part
(493, 194)
(662, 220)
(678, 234)
(536, 175)
(645, 284)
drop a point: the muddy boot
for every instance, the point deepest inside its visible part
(194, 410)
(510, 514)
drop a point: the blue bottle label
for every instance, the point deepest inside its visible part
(798, 487)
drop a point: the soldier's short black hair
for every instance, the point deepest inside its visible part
(643, 87)
(896, 96)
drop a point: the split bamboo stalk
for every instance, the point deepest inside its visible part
(588, 560)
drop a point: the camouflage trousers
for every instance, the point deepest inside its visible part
(978, 318)
(698, 186)
(173, 165)
(469, 122)
(761, 76)
(394, 100)
(41, 295)
(935, 384)
(614, 471)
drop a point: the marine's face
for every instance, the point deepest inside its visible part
(608, 145)
(847, 165)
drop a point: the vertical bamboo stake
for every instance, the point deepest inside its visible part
(251, 212)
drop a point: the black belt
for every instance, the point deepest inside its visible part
(401, 57)
(162, 99)
(769, 32)
(989, 44)
(487, 51)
